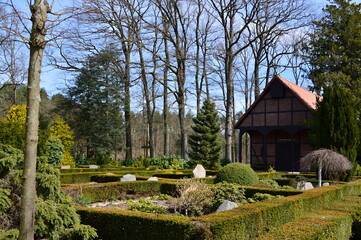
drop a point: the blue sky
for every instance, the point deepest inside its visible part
(54, 80)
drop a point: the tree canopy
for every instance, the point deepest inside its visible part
(96, 95)
(335, 123)
(335, 47)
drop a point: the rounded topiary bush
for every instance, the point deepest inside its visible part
(238, 173)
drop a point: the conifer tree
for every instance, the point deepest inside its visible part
(335, 123)
(335, 47)
(55, 216)
(205, 142)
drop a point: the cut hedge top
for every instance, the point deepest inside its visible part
(238, 173)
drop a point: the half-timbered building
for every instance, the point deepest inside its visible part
(275, 123)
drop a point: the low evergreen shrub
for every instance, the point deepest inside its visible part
(238, 173)
(147, 206)
(227, 191)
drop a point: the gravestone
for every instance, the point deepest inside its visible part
(199, 172)
(65, 167)
(326, 184)
(226, 205)
(152, 179)
(93, 166)
(128, 177)
(304, 185)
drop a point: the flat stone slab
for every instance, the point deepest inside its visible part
(65, 167)
(304, 185)
(152, 179)
(93, 166)
(128, 177)
(199, 171)
(226, 205)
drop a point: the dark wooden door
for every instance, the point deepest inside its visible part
(287, 156)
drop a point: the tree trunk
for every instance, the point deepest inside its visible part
(127, 111)
(165, 102)
(229, 102)
(39, 12)
(147, 104)
(181, 107)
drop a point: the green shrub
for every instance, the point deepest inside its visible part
(12, 234)
(144, 205)
(357, 170)
(263, 196)
(55, 216)
(194, 197)
(227, 191)
(127, 162)
(54, 150)
(225, 161)
(270, 183)
(161, 197)
(84, 200)
(238, 173)
(271, 169)
(112, 199)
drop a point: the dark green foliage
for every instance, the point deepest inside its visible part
(248, 221)
(335, 124)
(83, 200)
(96, 103)
(144, 205)
(205, 141)
(54, 150)
(138, 225)
(335, 47)
(13, 134)
(5, 201)
(55, 216)
(12, 234)
(225, 161)
(227, 191)
(262, 196)
(238, 173)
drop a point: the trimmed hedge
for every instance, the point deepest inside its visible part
(104, 178)
(252, 220)
(73, 178)
(269, 175)
(122, 224)
(86, 177)
(245, 222)
(100, 169)
(339, 221)
(102, 192)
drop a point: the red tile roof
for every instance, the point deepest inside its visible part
(306, 97)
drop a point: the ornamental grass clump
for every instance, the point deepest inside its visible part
(195, 197)
(238, 173)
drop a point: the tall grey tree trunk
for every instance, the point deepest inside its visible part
(39, 11)
(127, 110)
(165, 102)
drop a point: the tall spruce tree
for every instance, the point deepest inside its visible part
(335, 124)
(97, 95)
(335, 48)
(205, 142)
